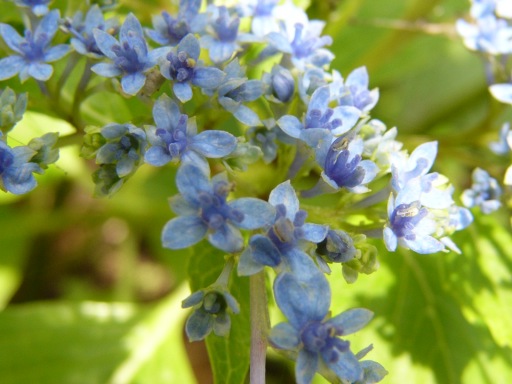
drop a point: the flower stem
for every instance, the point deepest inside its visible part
(260, 324)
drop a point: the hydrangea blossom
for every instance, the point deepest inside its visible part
(33, 51)
(81, 28)
(211, 307)
(169, 30)
(285, 240)
(489, 34)
(308, 335)
(484, 193)
(354, 91)
(320, 116)
(130, 56)
(16, 168)
(264, 19)
(205, 211)
(183, 68)
(175, 137)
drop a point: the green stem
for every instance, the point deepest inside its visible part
(70, 65)
(260, 324)
(80, 92)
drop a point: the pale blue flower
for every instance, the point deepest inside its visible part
(211, 306)
(504, 144)
(33, 51)
(489, 35)
(205, 211)
(285, 240)
(169, 30)
(485, 192)
(175, 137)
(311, 337)
(183, 68)
(81, 28)
(354, 91)
(502, 92)
(16, 168)
(130, 56)
(262, 12)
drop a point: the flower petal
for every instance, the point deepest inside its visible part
(213, 143)
(182, 232)
(257, 213)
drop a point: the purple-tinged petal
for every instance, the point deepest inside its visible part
(11, 37)
(264, 252)
(247, 265)
(190, 45)
(199, 325)
(157, 156)
(131, 28)
(191, 181)
(390, 239)
(48, 26)
(314, 232)
(424, 245)
(105, 43)
(291, 126)
(320, 99)
(257, 213)
(182, 232)
(346, 366)
(40, 71)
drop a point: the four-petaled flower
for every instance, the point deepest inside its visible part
(205, 211)
(33, 52)
(130, 55)
(183, 69)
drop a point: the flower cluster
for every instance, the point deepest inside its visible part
(228, 87)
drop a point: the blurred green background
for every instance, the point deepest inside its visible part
(88, 295)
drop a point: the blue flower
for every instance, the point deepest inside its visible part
(337, 247)
(285, 240)
(354, 91)
(33, 52)
(183, 68)
(484, 193)
(16, 168)
(81, 28)
(38, 7)
(211, 307)
(262, 13)
(237, 89)
(169, 31)
(410, 223)
(504, 145)
(311, 338)
(130, 56)
(303, 43)
(205, 211)
(320, 117)
(222, 38)
(417, 165)
(175, 137)
(489, 35)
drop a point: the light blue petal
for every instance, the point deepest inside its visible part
(208, 77)
(390, 239)
(183, 91)
(502, 92)
(347, 367)
(424, 245)
(314, 232)
(19, 180)
(257, 213)
(192, 180)
(125, 166)
(182, 232)
(227, 238)
(106, 69)
(306, 366)
(301, 300)
(320, 99)
(284, 336)
(213, 143)
(105, 42)
(180, 206)
(199, 325)
(221, 51)
(247, 116)
(157, 156)
(165, 112)
(373, 371)
(47, 27)
(190, 45)
(358, 77)
(193, 299)
(291, 126)
(264, 252)
(40, 71)
(133, 82)
(285, 194)
(10, 66)
(352, 320)
(279, 42)
(11, 37)
(247, 265)
(131, 28)
(349, 117)
(57, 52)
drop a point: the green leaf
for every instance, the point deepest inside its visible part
(229, 356)
(93, 342)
